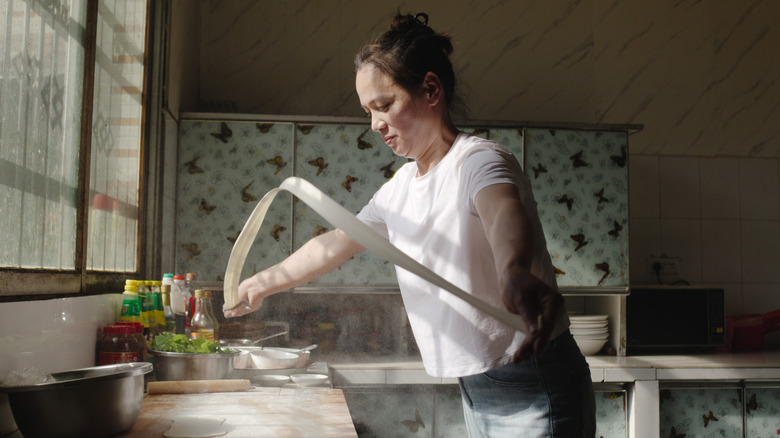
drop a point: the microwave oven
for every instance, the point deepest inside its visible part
(671, 319)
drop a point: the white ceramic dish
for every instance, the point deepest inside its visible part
(593, 337)
(271, 380)
(309, 379)
(589, 347)
(588, 318)
(273, 359)
(244, 361)
(589, 324)
(588, 331)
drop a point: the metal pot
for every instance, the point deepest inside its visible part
(86, 403)
(193, 366)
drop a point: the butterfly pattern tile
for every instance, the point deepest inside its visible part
(580, 182)
(348, 163)
(408, 411)
(579, 178)
(701, 412)
(611, 419)
(224, 169)
(762, 409)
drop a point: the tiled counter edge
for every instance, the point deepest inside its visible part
(607, 369)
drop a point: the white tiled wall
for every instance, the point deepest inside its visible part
(54, 335)
(720, 216)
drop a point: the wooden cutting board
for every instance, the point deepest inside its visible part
(259, 412)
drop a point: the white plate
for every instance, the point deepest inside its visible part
(270, 380)
(309, 379)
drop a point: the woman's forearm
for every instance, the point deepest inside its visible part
(317, 257)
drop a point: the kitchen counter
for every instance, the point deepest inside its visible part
(287, 411)
(719, 366)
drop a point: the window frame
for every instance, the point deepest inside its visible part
(21, 284)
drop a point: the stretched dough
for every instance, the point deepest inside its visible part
(362, 233)
(196, 426)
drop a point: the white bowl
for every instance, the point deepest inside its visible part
(589, 318)
(273, 359)
(592, 337)
(271, 380)
(596, 331)
(589, 347)
(309, 379)
(589, 324)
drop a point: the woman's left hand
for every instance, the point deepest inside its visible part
(538, 304)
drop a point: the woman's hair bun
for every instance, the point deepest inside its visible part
(408, 22)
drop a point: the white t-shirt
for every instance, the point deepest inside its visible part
(433, 219)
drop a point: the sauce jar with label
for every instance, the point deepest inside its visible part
(119, 344)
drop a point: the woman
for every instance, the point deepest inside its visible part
(463, 208)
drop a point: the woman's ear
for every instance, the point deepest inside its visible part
(432, 88)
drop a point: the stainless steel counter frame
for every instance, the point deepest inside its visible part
(641, 375)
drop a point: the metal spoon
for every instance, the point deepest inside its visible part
(268, 337)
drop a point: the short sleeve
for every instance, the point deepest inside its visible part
(489, 165)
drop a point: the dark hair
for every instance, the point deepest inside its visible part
(408, 51)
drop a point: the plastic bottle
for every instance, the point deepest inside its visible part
(132, 290)
(131, 305)
(147, 311)
(203, 324)
(177, 300)
(159, 312)
(170, 322)
(180, 282)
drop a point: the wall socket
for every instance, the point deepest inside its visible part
(669, 265)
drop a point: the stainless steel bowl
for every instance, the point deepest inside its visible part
(86, 403)
(192, 366)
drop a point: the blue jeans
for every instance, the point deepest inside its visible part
(546, 396)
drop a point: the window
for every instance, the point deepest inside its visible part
(64, 158)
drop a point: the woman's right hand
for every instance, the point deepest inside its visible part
(250, 295)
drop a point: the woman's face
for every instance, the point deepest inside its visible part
(402, 119)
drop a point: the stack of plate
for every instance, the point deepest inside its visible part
(590, 331)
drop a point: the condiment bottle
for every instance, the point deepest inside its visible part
(138, 330)
(203, 324)
(170, 322)
(118, 345)
(159, 311)
(177, 299)
(132, 306)
(147, 309)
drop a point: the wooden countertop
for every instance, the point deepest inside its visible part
(288, 412)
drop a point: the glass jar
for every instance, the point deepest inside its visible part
(203, 324)
(138, 330)
(118, 344)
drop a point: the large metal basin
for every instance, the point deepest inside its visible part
(193, 366)
(90, 402)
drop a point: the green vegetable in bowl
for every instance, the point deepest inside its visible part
(174, 343)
